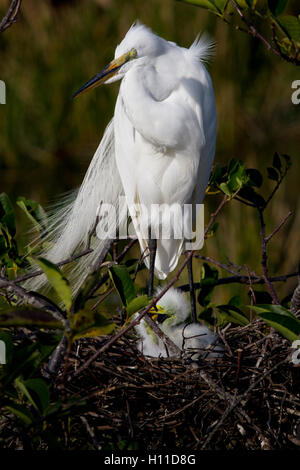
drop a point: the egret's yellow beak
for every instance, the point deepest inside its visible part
(158, 314)
(108, 72)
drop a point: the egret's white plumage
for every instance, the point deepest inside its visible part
(165, 130)
(158, 149)
(191, 338)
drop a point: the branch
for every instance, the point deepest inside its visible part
(253, 31)
(11, 15)
(36, 300)
(256, 34)
(264, 258)
(278, 227)
(240, 279)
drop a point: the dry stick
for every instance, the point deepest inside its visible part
(264, 257)
(220, 265)
(237, 401)
(60, 263)
(91, 433)
(241, 279)
(278, 227)
(11, 15)
(152, 304)
(169, 344)
(222, 394)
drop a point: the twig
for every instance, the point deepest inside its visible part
(11, 15)
(278, 227)
(241, 279)
(217, 263)
(60, 263)
(253, 31)
(36, 300)
(170, 346)
(237, 401)
(91, 433)
(264, 257)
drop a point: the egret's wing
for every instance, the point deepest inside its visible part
(71, 224)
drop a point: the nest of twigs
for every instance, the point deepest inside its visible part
(249, 399)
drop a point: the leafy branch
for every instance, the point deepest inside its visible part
(252, 17)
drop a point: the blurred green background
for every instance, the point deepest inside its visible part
(47, 139)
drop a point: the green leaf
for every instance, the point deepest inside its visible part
(225, 188)
(217, 175)
(249, 194)
(137, 304)
(235, 301)
(57, 280)
(277, 6)
(41, 389)
(87, 323)
(272, 174)
(7, 214)
(220, 4)
(244, 3)
(207, 315)
(28, 316)
(21, 412)
(208, 279)
(233, 314)
(123, 283)
(277, 162)
(255, 177)
(279, 318)
(291, 25)
(287, 160)
(207, 4)
(34, 212)
(19, 383)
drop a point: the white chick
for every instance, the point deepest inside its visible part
(191, 338)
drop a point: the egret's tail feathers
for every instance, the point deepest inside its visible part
(71, 224)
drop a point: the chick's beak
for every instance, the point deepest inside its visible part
(158, 314)
(108, 72)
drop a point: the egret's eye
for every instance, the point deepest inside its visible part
(132, 53)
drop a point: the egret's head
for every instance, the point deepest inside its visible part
(139, 44)
(175, 306)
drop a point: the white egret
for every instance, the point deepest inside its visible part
(191, 338)
(158, 149)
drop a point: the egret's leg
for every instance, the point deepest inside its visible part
(191, 288)
(152, 244)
